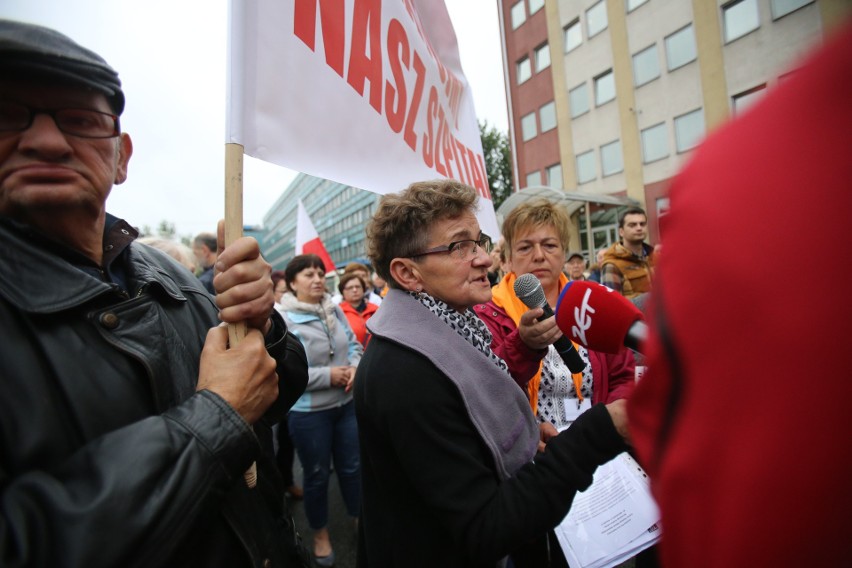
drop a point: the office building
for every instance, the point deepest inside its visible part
(609, 97)
(338, 212)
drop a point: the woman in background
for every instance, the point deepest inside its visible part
(536, 238)
(355, 305)
(322, 422)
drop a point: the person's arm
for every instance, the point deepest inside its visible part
(243, 282)
(354, 349)
(319, 377)
(611, 277)
(245, 295)
(622, 374)
(127, 497)
(292, 366)
(507, 344)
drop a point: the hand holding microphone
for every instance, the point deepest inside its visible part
(529, 291)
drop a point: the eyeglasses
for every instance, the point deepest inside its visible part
(82, 122)
(462, 250)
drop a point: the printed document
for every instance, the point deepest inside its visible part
(613, 520)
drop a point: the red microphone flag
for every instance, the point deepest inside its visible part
(595, 316)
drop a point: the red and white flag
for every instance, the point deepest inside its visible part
(308, 240)
(369, 93)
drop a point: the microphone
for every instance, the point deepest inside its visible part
(599, 318)
(528, 289)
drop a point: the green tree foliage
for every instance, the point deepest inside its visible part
(166, 229)
(498, 162)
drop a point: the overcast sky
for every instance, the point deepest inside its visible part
(171, 57)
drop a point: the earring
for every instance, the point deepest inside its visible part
(419, 289)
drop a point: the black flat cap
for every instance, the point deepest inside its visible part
(28, 50)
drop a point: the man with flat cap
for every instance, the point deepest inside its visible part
(575, 266)
(126, 420)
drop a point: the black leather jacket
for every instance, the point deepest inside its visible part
(108, 456)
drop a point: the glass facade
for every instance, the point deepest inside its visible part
(339, 213)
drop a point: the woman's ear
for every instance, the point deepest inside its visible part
(406, 273)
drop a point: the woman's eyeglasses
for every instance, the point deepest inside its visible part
(466, 249)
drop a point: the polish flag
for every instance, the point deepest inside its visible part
(307, 239)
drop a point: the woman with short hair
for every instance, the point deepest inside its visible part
(354, 304)
(536, 237)
(447, 436)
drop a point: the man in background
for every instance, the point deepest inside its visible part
(628, 265)
(575, 266)
(204, 247)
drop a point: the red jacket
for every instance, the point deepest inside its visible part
(742, 420)
(358, 320)
(613, 375)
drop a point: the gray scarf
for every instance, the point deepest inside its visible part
(467, 325)
(498, 408)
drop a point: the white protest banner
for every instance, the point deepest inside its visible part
(369, 93)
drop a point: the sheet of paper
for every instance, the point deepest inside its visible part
(611, 520)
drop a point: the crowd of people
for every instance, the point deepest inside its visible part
(138, 428)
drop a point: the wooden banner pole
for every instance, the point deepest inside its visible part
(233, 231)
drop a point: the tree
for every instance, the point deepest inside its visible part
(166, 229)
(498, 162)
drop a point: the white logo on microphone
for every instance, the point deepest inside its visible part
(582, 318)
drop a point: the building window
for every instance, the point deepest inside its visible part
(689, 130)
(542, 58)
(596, 18)
(586, 167)
(533, 178)
(554, 175)
(528, 128)
(573, 35)
(633, 4)
(535, 6)
(578, 99)
(680, 48)
(646, 66)
(655, 145)
(742, 101)
(612, 161)
(547, 116)
(740, 18)
(781, 8)
(519, 15)
(524, 70)
(604, 88)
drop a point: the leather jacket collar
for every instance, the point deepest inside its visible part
(37, 275)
